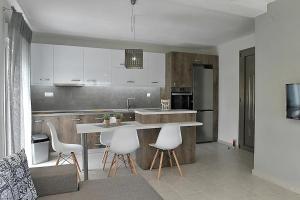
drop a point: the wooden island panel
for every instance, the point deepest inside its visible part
(185, 152)
(165, 118)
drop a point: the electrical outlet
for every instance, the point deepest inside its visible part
(49, 94)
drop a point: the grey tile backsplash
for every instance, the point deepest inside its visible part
(92, 97)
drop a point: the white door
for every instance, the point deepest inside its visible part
(155, 65)
(97, 70)
(41, 64)
(68, 65)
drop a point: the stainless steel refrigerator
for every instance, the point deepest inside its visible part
(203, 91)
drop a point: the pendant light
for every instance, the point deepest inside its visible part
(133, 57)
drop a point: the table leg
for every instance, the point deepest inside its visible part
(85, 156)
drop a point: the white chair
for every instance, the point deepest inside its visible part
(66, 151)
(124, 142)
(169, 138)
(105, 139)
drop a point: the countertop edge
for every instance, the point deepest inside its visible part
(165, 112)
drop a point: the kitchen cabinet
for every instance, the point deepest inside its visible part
(181, 71)
(66, 128)
(179, 67)
(130, 116)
(68, 65)
(155, 67)
(127, 77)
(117, 58)
(121, 76)
(97, 70)
(41, 64)
(93, 139)
(152, 74)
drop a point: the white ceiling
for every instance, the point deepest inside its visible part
(169, 22)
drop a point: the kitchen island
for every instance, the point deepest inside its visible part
(148, 124)
(185, 152)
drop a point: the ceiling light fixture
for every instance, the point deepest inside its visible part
(133, 57)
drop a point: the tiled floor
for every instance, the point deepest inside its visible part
(219, 173)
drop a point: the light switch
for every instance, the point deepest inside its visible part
(49, 94)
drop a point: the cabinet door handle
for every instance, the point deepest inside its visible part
(47, 79)
(122, 64)
(92, 80)
(38, 121)
(197, 60)
(130, 81)
(76, 119)
(155, 82)
(98, 118)
(75, 80)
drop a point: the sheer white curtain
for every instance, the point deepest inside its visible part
(17, 86)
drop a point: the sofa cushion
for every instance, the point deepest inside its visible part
(125, 188)
(21, 183)
(6, 182)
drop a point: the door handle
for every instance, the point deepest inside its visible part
(76, 119)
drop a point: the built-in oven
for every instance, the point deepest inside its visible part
(181, 98)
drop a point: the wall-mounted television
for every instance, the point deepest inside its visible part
(293, 101)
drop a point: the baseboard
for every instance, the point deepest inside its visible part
(275, 181)
(225, 143)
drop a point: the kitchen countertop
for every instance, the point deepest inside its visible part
(160, 112)
(49, 113)
(99, 127)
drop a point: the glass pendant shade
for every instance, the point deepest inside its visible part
(134, 58)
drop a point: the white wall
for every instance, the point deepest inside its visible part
(277, 139)
(229, 87)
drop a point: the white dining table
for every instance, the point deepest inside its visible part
(85, 129)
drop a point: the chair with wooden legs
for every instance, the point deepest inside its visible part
(65, 151)
(105, 139)
(168, 140)
(124, 142)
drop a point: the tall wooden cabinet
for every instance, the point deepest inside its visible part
(179, 73)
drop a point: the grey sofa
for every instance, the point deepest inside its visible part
(60, 183)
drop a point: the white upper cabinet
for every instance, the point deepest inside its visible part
(41, 64)
(97, 70)
(117, 58)
(128, 77)
(154, 63)
(68, 65)
(121, 76)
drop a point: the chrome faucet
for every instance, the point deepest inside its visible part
(129, 105)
